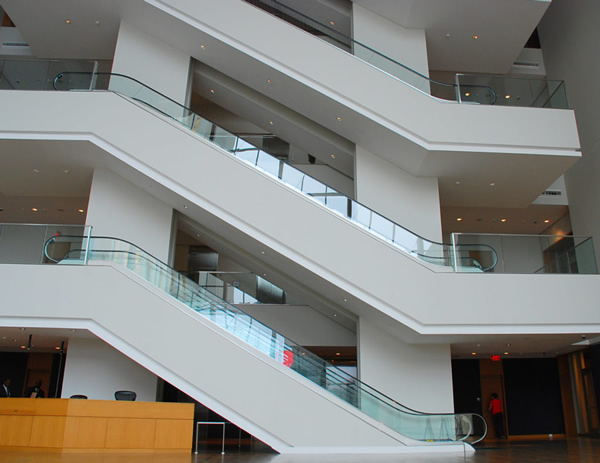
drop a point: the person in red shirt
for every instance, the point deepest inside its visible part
(497, 416)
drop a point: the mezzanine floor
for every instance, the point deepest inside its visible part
(580, 450)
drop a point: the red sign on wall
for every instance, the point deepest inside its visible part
(495, 358)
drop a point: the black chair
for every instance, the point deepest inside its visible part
(125, 395)
(78, 396)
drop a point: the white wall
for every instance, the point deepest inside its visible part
(405, 199)
(301, 324)
(418, 376)
(569, 36)
(95, 369)
(152, 62)
(407, 46)
(118, 209)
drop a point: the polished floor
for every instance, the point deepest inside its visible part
(581, 450)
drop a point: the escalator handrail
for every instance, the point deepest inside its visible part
(443, 245)
(340, 374)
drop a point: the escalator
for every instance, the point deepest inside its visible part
(401, 425)
(457, 257)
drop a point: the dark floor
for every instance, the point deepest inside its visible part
(581, 450)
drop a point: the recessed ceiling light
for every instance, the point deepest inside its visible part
(269, 81)
(68, 21)
(459, 219)
(475, 37)
(34, 209)
(473, 353)
(212, 90)
(505, 353)
(458, 183)
(185, 207)
(345, 300)
(97, 23)
(80, 210)
(547, 221)
(333, 156)
(503, 220)
(507, 97)
(338, 353)
(271, 122)
(339, 118)
(493, 184)
(468, 94)
(203, 47)
(262, 252)
(332, 23)
(57, 348)
(37, 171)
(67, 171)
(447, 36)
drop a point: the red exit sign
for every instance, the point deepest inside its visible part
(495, 358)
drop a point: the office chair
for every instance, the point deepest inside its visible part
(125, 395)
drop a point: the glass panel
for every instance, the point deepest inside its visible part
(506, 91)
(528, 254)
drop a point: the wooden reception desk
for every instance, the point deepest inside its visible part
(96, 424)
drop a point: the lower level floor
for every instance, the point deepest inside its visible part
(579, 450)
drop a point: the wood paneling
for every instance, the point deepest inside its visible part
(95, 424)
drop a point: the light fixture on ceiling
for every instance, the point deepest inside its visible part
(67, 171)
(80, 210)
(473, 353)
(547, 221)
(457, 182)
(333, 156)
(68, 21)
(203, 47)
(459, 219)
(339, 118)
(503, 220)
(468, 94)
(212, 90)
(34, 209)
(332, 23)
(37, 171)
(475, 37)
(507, 97)
(270, 122)
(493, 184)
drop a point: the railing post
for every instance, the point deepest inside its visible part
(87, 246)
(455, 264)
(458, 97)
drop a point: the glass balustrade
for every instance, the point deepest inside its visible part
(405, 240)
(507, 91)
(421, 426)
(478, 89)
(23, 243)
(528, 254)
(39, 75)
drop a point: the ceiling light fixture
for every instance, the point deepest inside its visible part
(547, 221)
(473, 353)
(203, 47)
(80, 210)
(212, 90)
(333, 156)
(475, 37)
(459, 219)
(503, 220)
(34, 209)
(468, 94)
(270, 122)
(507, 97)
(68, 21)
(493, 184)
(269, 81)
(339, 118)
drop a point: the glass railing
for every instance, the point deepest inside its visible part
(471, 89)
(416, 425)
(530, 93)
(405, 240)
(536, 253)
(38, 75)
(22, 243)
(239, 287)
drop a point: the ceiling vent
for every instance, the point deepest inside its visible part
(529, 64)
(552, 193)
(15, 44)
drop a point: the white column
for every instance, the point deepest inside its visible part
(418, 376)
(407, 46)
(119, 209)
(152, 62)
(413, 202)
